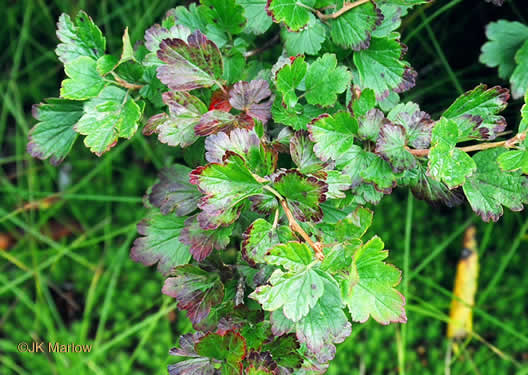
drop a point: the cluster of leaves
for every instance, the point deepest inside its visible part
(285, 144)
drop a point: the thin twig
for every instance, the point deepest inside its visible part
(295, 226)
(343, 10)
(127, 85)
(482, 146)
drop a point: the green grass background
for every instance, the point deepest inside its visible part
(84, 289)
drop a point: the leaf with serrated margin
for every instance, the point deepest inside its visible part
(482, 103)
(156, 34)
(264, 204)
(361, 102)
(447, 163)
(111, 115)
(229, 348)
(505, 39)
(250, 97)
(292, 12)
(337, 184)
(53, 136)
(392, 14)
(195, 290)
(79, 38)
(84, 81)
(490, 188)
(371, 124)
(160, 242)
(392, 146)
(381, 68)
(369, 289)
(297, 117)
(514, 160)
(177, 127)
(334, 136)
(303, 194)
(306, 41)
(325, 80)
(366, 167)
(173, 193)
(258, 20)
(202, 242)
(354, 28)
(245, 143)
(296, 291)
(226, 15)
(302, 154)
(519, 78)
(418, 124)
(216, 121)
(289, 77)
(225, 187)
(284, 350)
(428, 189)
(192, 65)
(260, 237)
(195, 365)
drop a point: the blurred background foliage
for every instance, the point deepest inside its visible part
(65, 233)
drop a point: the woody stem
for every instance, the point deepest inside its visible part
(344, 9)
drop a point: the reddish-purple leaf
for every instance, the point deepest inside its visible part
(249, 97)
(192, 65)
(195, 290)
(202, 242)
(216, 121)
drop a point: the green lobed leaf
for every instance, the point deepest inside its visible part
(370, 125)
(225, 188)
(80, 37)
(84, 81)
(173, 193)
(226, 15)
(367, 167)
(258, 20)
(361, 105)
(303, 194)
(354, 28)
(447, 163)
(111, 115)
(337, 184)
(392, 13)
(196, 291)
(292, 12)
(159, 242)
(307, 41)
(325, 80)
(514, 160)
(369, 289)
(289, 77)
(297, 117)
(381, 68)
(192, 65)
(177, 127)
(505, 39)
(302, 153)
(519, 78)
(490, 188)
(334, 136)
(53, 136)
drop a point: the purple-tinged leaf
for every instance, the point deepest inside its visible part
(239, 141)
(261, 363)
(226, 187)
(249, 97)
(160, 242)
(192, 65)
(196, 291)
(260, 237)
(418, 124)
(392, 146)
(338, 183)
(216, 121)
(177, 127)
(156, 34)
(484, 103)
(229, 348)
(202, 242)
(370, 124)
(173, 193)
(303, 194)
(195, 366)
(53, 136)
(302, 154)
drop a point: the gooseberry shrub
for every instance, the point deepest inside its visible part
(289, 115)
